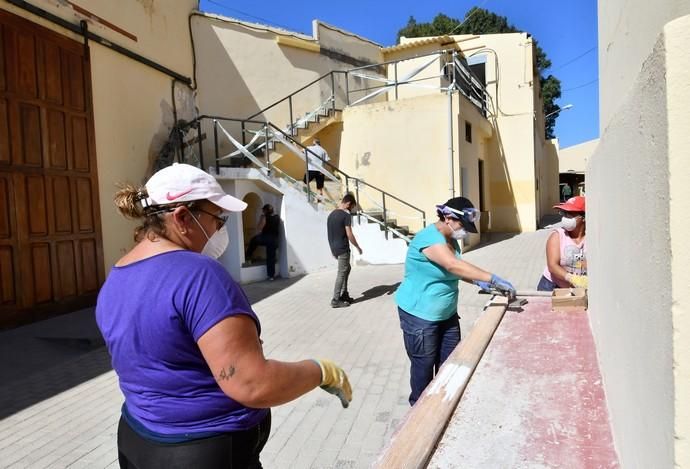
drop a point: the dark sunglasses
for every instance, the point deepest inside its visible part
(565, 214)
(220, 219)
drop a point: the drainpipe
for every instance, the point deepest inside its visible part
(451, 170)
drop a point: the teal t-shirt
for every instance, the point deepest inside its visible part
(428, 291)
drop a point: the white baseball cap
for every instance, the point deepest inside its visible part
(186, 183)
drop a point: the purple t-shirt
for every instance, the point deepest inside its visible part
(151, 314)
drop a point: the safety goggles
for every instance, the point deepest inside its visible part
(470, 214)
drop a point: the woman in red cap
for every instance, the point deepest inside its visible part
(566, 253)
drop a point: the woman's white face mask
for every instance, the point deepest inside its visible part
(217, 243)
(569, 224)
(459, 234)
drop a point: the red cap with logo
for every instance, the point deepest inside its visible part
(573, 204)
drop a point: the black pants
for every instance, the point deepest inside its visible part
(318, 175)
(271, 244)
(236, 450)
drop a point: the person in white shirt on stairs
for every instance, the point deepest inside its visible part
(316, 156)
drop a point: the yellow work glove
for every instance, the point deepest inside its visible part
(334, 381)
(579, 281)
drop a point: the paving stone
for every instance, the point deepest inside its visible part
(61, 403)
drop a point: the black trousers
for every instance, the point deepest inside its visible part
(235, 450)
(271, 243)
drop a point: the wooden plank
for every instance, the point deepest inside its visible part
(536, 399)
(416, 438)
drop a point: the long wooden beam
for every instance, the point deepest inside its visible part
(416, 438)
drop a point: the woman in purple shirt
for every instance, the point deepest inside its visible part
(183, 337)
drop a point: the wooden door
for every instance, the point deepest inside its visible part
(51, 254)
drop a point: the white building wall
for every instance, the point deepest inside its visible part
(628, 31)
(638, 206)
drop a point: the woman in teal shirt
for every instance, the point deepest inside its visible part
(427, 299)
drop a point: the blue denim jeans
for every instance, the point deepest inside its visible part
(428, 344)
(545, 284)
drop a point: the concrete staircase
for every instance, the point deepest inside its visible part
(304, 130)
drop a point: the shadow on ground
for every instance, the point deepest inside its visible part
(377, 291)
(43, 359)
(488, 239)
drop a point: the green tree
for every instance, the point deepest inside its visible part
(481, 21)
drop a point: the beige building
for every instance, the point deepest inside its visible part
(496, 151)
(574, 159)
(638, 206)
(76, 119)
(572, 164)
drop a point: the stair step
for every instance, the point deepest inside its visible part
(375, 214)
(238, 162)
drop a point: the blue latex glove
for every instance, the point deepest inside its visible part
(486, 286)
(503, 285)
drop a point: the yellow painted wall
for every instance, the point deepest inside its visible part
(344, 42)
(574, 158)
(132, 103)
(510, 81)
(516, 154)
(626, 38)
(677, 34)
(424, 80)
(242, 69)
(402, 147)
(639, 277)
(549, 176)
(514, 147)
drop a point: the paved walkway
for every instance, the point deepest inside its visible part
(60, 400)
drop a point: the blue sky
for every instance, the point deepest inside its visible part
(565, 29)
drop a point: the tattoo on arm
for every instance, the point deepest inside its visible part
(226, 374)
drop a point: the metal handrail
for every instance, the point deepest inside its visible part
(418, 56)
(329, 74)
(347, 176)
(349, 180)
(474, 94)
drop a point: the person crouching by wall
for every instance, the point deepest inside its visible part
(269, 237)
(184, 340)
(427, 298)
(566, 250)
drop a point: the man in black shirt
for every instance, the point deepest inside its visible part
(340, 236)
(269, 231)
